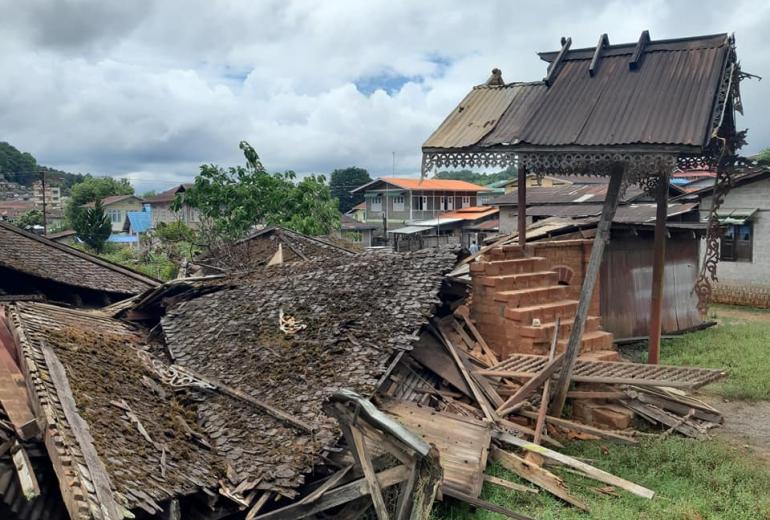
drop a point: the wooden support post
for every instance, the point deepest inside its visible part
(658, 268)
(546, 388)
(362, 456)
(587, 292)
(521, 191)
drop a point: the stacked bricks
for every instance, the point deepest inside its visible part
(516, 300)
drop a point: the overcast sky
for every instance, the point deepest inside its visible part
(149, 90)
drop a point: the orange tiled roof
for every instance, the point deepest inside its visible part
(472, 213)
(432, 184)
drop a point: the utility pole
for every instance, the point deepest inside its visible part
(45, 214)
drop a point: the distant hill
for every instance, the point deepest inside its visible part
(22, 168)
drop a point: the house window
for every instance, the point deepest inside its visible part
(115, 215)
(398, 203)
(377, 203)
(466, 201)
(442, 202)
(420, 203)
(450, 202)
(736, 244)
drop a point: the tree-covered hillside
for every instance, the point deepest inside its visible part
(22, 168)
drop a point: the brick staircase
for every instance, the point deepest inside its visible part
(513, 291)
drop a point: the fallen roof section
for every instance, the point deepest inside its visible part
(43, 258)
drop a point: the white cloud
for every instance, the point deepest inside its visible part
(153, 89)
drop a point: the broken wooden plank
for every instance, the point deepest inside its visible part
(565, 423)
(609, 395)
(532, 385)
(656, 415)
(25, 472)
(483, 504)
(365, 462)
(338, 496)
(678, 404)
(538, 476)
(329, 483)
(507, 484)
(480, 399)
(429, 353)
(243, 396)
(591, 471)
(482, 342)
(510, 425)
(98, 473)
(546, 387)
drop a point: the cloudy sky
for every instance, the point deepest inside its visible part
(149, 90)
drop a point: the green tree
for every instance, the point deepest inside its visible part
(17, 166)
(232, 200)
(763, 157)
(93, 189)
(482, 179)
(93, 227)
(148, 194)
(30, 219)
(344, 180)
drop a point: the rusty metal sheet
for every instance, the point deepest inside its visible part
(668, 100)
(474, 117)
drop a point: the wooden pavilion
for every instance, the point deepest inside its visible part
(633, 112)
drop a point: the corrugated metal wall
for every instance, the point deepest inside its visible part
(626, 278)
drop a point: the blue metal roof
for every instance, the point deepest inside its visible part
(123, 239)
(140, 221)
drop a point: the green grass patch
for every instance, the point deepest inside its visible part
(694, 480)
(740, 343)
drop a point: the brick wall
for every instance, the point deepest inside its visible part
(575, 255)
(742, 294)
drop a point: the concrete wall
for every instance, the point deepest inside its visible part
(509, 220)
(161, 212)
(745, 281)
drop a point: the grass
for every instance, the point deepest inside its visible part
(694, 480)
(740, 343)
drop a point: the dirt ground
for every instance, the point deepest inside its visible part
(747, 423)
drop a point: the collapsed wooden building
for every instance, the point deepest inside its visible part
(369, 385)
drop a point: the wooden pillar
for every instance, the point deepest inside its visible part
(586, 293)
(658, 268)
(521, 190)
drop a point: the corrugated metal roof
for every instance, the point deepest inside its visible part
(566, 194)
(141, 221)
(627, 214)
(667, 100)
(475, 116)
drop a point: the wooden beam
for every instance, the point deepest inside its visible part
(478, 396)
(79, 428)
(589, 282)
(337, 497)
(326, 486)
(604, 41)
(365, 462)
(521, 192)
(483, 504)
(553, 68)
(476, 334)
(507, 484)
(594, 473)
(530, 386)
(636, 57)
(538, 476)
(658, 268)
(25, 472)
(546, 387)
(258, 403)
(564, 423)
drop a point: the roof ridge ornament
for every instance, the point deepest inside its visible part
(496, 79)
(553, 68)
(604, 41)
(636, 57)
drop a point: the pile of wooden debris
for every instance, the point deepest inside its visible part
(454, 391)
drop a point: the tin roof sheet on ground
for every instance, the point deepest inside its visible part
(38, 256)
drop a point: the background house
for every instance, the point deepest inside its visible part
(117, 207)
(392, 202)
(356, 231)
(744, 250)
(160, 206)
